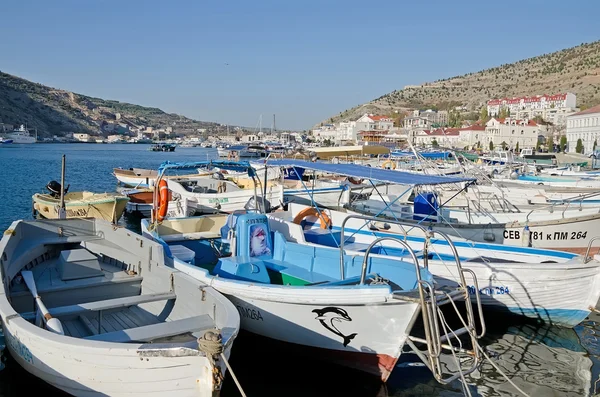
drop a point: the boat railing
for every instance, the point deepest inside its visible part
(587, 257)
(568, 202)
(430, 301)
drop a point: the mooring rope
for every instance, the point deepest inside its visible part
(211, 344)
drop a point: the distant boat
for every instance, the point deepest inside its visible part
(20, 135)
(5, 141)
(163, 147)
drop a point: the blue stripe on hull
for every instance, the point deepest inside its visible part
(563, 317)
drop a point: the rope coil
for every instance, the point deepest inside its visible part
(211, 344)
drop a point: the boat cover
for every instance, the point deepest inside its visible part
(372, 173)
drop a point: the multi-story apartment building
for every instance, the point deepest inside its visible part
(584, 125)
(552, 108)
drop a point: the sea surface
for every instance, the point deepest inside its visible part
(540, 360)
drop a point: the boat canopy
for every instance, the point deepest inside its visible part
(373, 173)
(239, 166)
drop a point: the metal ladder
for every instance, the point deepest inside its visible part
(430, 299)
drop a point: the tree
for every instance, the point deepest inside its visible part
(503, 144)
(517, 148)
(579, 147)
(483, 115)
(504, 112)
(595, 144)
(550, 143)
(454, 119)
(537, 146)
(491, 145)
(563, 143)
(434, 143)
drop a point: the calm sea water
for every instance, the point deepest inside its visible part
(541, 360)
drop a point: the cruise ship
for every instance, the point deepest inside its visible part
(20, 135)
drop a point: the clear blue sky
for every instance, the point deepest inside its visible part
(302, 60)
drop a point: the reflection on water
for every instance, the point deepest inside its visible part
(541, 360)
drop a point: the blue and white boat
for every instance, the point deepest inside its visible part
(554, 286)
(5, 141)
(356, 309)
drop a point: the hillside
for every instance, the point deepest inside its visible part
(575, 70)
(55, 112)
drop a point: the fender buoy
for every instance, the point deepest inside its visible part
(163, 192)
(311, 211)
(355, 181)
(389, 164)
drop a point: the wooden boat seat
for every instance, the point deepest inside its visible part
(107, 304)
(148, 333)
(31, 249)
(112, 250)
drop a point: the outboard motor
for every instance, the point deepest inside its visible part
(55, 188)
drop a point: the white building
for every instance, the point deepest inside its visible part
(348, 131)
(471, 135)
(584, 125)
(538, 102)
(511, 131)
(445, 137)
(552, 108)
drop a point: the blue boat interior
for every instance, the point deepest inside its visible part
(263, 256)
(332, 238)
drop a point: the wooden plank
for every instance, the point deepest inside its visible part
(143, 316)
(70, 329)
(106, 304)
(126, 320)
(120, 322)
(81, 330)
(107, 323)
(90, 327)
(152, 332)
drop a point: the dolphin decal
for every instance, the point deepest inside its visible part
(328, 315)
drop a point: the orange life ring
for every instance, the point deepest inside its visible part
(163, 191)
(311, 211)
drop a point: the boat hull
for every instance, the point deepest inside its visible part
(288, 314)
(110, 371)
(550, 285)
(108, 208)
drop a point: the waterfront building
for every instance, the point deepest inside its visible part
(584, 125)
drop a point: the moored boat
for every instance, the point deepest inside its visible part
(93, 310)
(337, 307)
(107, 206)
(516, 278)
(142, 178)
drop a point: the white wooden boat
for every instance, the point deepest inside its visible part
(210, 195)
(107, 206)
(554, 286)
(109, 317)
